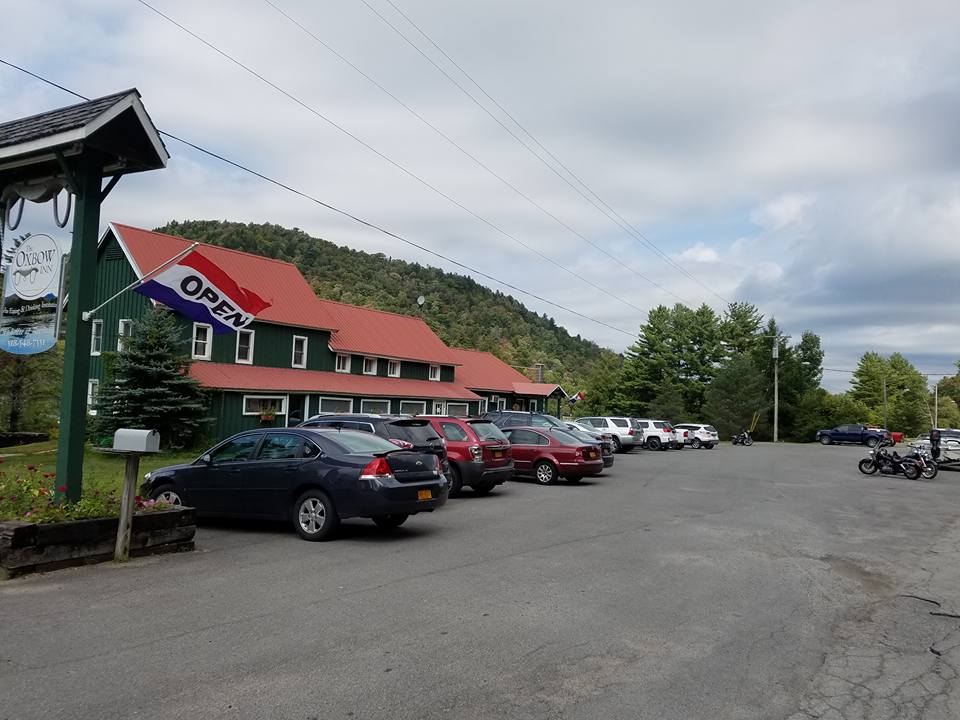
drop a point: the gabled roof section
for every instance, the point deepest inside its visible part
(484, 371)
(363, 331)
(537, 389)
(293, 300)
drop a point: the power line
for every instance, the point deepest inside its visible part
(599, 204)
(383, 156)
(333, 208)
(928, 374)
(464, 151)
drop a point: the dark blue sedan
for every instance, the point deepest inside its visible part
(313, 478)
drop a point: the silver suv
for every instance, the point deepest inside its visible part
(700, 435)
(625, 434)
(657, 434)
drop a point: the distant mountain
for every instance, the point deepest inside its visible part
(460, 310)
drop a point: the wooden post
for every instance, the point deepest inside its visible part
(122, 551)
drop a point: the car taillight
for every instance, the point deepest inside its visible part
(686, 433)
(631, 431)
(476, 452)
(438, 465)
(578, 453)
(378, 467)
(402, 443)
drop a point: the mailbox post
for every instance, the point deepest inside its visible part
(131, 444)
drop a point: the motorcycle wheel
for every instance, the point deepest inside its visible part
(911, 470)
(748, 442)
(867, 466)
(930, 471)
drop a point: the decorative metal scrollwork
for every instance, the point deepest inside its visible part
(56, 209)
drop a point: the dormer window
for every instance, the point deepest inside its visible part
(393, 368)
(369, 366)
(343, 363)
(435, 373)
(299, 359)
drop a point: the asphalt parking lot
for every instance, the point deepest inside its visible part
(732, 583)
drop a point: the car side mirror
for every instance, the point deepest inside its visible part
(206, 459)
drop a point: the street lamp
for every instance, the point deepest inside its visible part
(776, 381)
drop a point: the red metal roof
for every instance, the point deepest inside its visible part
(373, 332)
(280, 283)
(532, 388)
(264, 379)
(484, 371)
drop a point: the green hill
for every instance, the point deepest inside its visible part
(460, 310)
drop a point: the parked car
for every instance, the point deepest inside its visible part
(657, 434)
(858, 434)
(700, 435)
(410, 433)
(479, 454)
(949, 444)
(313, 478)
(588, 434)
(516, 418)
(548, 453)
(681, 437)
(625, 434)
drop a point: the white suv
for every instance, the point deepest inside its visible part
(700, 435)
(625, 434)
(657, 434)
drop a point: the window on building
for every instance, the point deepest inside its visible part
(343, 363)
(458, 409)
(369, 366)
(93, 389)
(438, 407)
(434, 372)
(501, 403)
(377, 407)
(202, 341)
(96, 337)
(336, 405)
(413, 407)
(299, 359)
(124, 330)
(483, 405)
(393, 368)
(264, 405)
(245, 347)
(533, 406)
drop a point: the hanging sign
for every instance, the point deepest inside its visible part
(32, 293)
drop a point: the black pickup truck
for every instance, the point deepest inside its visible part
(859, 434)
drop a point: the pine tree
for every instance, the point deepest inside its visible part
(148, 386)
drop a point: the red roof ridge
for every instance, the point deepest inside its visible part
(364, 307)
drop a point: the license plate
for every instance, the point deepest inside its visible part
(424, 495)
(497, 454)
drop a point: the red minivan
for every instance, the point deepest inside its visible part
(479, 453)
(546, 453)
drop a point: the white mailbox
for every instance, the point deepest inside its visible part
(138, 441)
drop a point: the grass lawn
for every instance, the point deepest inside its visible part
(100, 471)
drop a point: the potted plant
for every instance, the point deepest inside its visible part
(267, 417)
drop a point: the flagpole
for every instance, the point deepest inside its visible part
(90, 313)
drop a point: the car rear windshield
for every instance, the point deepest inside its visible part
(581, 436)
(356, 441)
(566, 437)
(418, 432)
(486, 430)
(620, 422)
(710, 428)
(661, 424)
(634, 423)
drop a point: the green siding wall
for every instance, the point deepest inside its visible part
(272, 346)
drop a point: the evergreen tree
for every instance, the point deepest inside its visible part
(148, 386)
(739, 329)
(668, 404)
(600, 388)
(735, 395)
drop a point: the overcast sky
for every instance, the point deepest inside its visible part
(804, 157)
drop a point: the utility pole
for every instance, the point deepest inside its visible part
(936, 405)
(885, 404)
(776, 387)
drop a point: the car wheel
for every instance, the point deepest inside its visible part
(825, 440)
(456, 482)
(483, 488)
(616, 444)
(709, 446)
(871, 442)
(695, 443)
(654, 443)
(314, 517)
(574, 479)
(545, 473)
(167, 494)
(390, 521)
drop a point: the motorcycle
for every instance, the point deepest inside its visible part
(889, 464)
(742, 438)
(928, 466)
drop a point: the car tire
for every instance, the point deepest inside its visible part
(545, 473)
(456, 481)
(826, 440)
(167, 494)
(617, 447)
(654, 443)
(709, 446)
(390, 522)
(483, 488)
(871, 442)
(314, 516)
(695, 443)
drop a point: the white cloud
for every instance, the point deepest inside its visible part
(699, 253)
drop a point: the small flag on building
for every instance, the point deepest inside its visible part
(574, 399)
(200, 290)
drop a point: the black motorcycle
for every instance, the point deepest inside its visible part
(742, 438)
(928, 466)
(888, 463)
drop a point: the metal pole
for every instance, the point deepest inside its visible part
(121, 552)
(885, 404)
(76, 355)
(776, 396)
(936, 405)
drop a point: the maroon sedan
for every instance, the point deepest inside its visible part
(546, 453)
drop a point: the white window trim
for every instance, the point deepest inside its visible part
(375, 365)
(501, 403)
(484, 403)
(91, 394)
(379, 400)
(466, 412)
(236, 357)
(532, 404)
(421, 403)
(293, 351)
(94, 324)
(439, 407)
(193, 342)
(120, 334)
(331, 397)
(281, 398)
(336, 362)
(430, 373)
(397, 373)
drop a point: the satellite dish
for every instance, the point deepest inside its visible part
(421, 300)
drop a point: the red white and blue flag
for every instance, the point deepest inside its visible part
(574, 399)
(200, 290)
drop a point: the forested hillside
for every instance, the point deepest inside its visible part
(460, 310)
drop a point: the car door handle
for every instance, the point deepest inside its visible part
(291, 468)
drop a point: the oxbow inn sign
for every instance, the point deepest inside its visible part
(32, 293)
